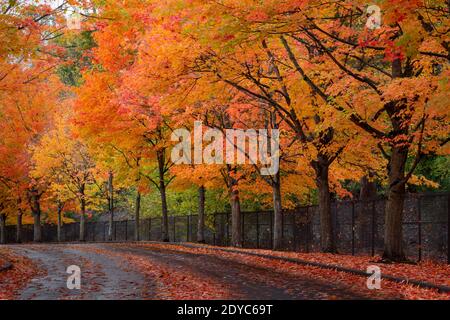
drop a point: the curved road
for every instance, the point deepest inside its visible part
(110, 271)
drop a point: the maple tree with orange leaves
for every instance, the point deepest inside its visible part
(352, 103)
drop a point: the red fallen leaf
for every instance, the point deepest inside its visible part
(172, 282)
(426, 271)
(11, 281)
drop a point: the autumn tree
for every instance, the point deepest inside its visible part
(387, 80)
(255, 68)
(128, 106)
(27, 93)
(66, 163)
(370, 78)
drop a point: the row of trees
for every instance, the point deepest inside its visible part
(352, 103)
(28, 100)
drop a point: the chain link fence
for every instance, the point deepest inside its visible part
(358, 226)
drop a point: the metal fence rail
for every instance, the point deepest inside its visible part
(358, 225)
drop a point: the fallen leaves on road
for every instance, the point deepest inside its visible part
(170, 283)
(428, 271)
(438, 274)
(167, 268)
(3, 261)
(12, 280)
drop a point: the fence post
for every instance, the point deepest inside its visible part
(294, 237)
(174, 229)
(126, 230)
(115, 230)
(448, 229)
(282, 229)
(214, 228)
(187, 227)
(228, 229)
(150, 229)
(257, 229)
(307, 230)
(243, 228)
(336, 224)
(353, 228)
(419, 226)
(373, 228)
(271, 228)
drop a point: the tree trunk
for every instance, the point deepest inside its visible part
(393, 234)
(137, 216)
(110, 205)
(327, 243)
(36, 212)
(162, 191)
(368, 189)
(393, 217)
(59, 222)
(277, 213)
(37, 232)
(236, 223)
(19, 228)
(367, 192)
(82, 219)
(201, 215)
(2, 228)
(33, 201)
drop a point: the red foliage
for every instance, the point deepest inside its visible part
(171, 283)
(12, 280)
(426, 271)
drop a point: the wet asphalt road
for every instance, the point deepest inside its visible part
(106, 275)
